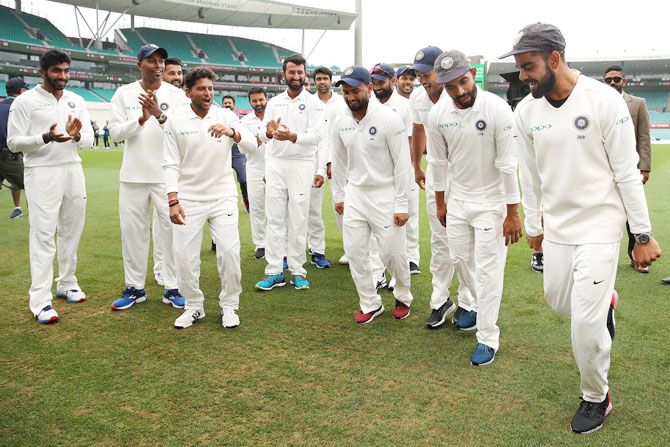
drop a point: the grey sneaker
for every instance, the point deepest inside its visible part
(439, 316)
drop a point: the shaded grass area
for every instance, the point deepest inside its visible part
(298, 371)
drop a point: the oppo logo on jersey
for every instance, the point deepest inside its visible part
(539, 128)
(186, 133)
(347, 129)
(447, 125)
(622, 120)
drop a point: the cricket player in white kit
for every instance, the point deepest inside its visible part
(370, 176)
(139, 113)
(578, 169)
(294, 124)
(49, 124)
(476, 188)
(256, 170)
(422, 101)
(201, 188)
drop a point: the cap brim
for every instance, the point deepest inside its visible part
(445, 77)
(422, 68)
(519, 51)
(163, 53)
(408, 71)
(350, 82)
(380, 77)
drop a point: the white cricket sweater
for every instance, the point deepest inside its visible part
(578, 166)
(143, 151)
(371, 153)
(32, 113)
(474, 150)
(336, 106)
(400, 105)
(198, 166)
(256, 159)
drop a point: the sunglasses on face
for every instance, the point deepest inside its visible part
(615, 79)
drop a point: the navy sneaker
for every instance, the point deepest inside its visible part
(271, 281)
(483, 355)
(172, 296)
(467, 321)
(16, 213)
(285, 265)
(537, 262)
(259, 253)
(320, 261)
(130, 296)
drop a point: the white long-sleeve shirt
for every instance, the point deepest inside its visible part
(578, 166)
(198, 166)
(335, 107)
(371, 153)
(303, 115)
(33, 113)
(401, 106)
(473, 148)
(256, 159)
(143, 151)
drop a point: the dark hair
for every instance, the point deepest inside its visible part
(546, 54)
(323, 70)
(614, 68)
(198, 73)
(173, 61)
(54, 57)
(294, 59)
(228, 97)
(256, 90)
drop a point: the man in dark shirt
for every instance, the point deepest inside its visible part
(11, 165)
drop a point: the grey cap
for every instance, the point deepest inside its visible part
(537, 37)
(451, 65)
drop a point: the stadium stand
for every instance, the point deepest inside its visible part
(177, 43)
(216, 48)
(13, 30)
(655, 100)
(659, 117)
(256, 53)
(88, 95)
(105, 94)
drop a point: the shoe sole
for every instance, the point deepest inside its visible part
(320, 266)
(69, 300)
(343, 263)
(167, 301)
(186, 327)
(230, 327)
(415, 272)
(376, 314)
(138, 300)
(482, 364)
(402, 318)
(537, 269)
(467, 329)
(49, 321)
(607, 412)
(300, 288)
(279, 284)
(449, 311)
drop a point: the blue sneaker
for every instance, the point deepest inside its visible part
(320, 261)
(172, 296)
(130, 296)
(285, 265)
(467, 321)
(271, 281)
(483, 355)
(16, 213)
(300, 282)
(72, 295)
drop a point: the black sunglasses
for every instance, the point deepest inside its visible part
(615, 79)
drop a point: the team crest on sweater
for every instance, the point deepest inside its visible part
(373, 130)
(581, 123)
(70, 105)
(481, 125)
(164, 106)
(301, 106)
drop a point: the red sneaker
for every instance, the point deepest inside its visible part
(401, 310)
(362, 318)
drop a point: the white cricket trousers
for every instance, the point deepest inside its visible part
(222, 216)
(579, 282)
(441, 264)
(256, 191)
(287, 196)
(56, 198)
(475, 232)
(135, 216)
(368, 215)
(316, 230)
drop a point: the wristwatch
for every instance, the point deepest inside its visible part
(642, 238)
(233, 135)
(162, 118)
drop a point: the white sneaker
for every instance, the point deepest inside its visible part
(391, 285)
(343, 260)
(47, 315)
(229, 318)
(188, 318)
(72, 295)
(159, 280)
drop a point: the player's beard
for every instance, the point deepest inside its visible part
(545, 85)
(384, 94)
(467, 100)
(360, 104)
(53, 85)
(260, 108)
(294, 86)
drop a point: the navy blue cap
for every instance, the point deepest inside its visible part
(424, 60)
(405, 69)
(382, 71)
(149, 49)
(354, 76)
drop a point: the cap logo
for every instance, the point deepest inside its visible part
(373, 130)
(301, 106)
(419, 56)
(151, 45)
(518, 38)
(164, 106)
(447, 62)
(348, 71)
(581, 122)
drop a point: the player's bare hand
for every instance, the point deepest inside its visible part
(149, 102)
(512, 228)
(318, 181)
(645, 176)
(53, 135)
(177, 215)
(339, 208)
(400, 219)
(284, 134)
(329, 171)
(535, 242)
(271, 126)
(645, 254)
(219, 130)
(258, 141)
(441, 212)
(420, 178)
(73, 127)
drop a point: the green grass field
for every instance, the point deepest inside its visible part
(299, 371)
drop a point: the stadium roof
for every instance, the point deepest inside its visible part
(243, 13)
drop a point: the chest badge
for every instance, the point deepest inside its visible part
(481, 125)
(373, 130)
(581, 123)
(301, 106)
(164, 106)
